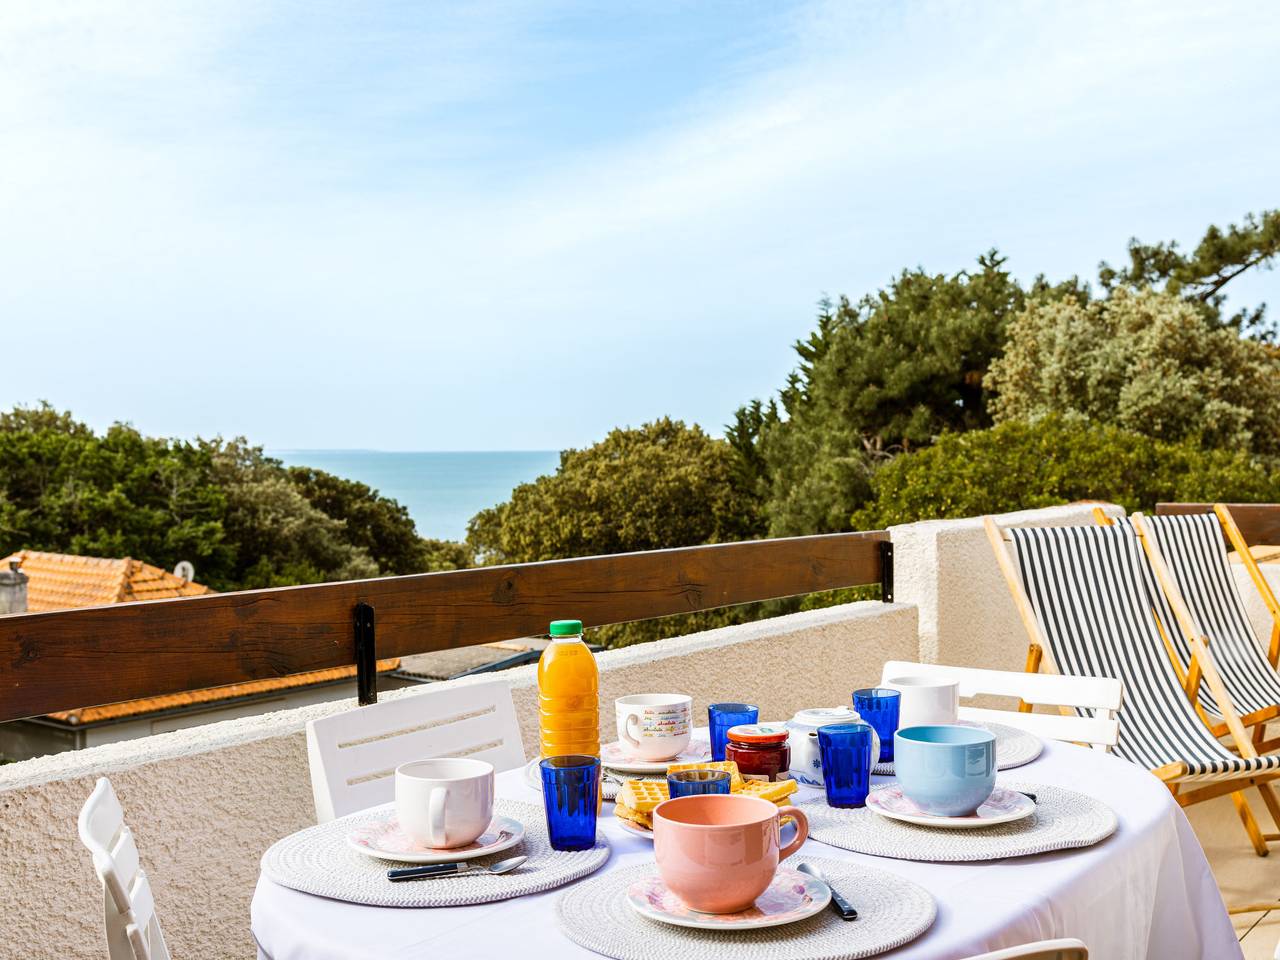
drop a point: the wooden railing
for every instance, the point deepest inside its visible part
(1259, 523)
(77, 658)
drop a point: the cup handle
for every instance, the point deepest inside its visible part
(801, 821)
(435, 818)
(626, 730)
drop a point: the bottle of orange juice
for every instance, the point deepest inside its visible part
(568, 693)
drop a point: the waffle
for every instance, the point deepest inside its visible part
(641, 796)
(639, 819)
(735, 778)
(776, 791)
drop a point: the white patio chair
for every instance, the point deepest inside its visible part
(129, 910)
(354, 755)
(1080, 594)
(1197, 595)
(1100, 696)
(1068, 949)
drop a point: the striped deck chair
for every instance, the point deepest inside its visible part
(1079, 592)
(1193, 592)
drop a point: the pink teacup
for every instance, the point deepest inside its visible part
(719, 852)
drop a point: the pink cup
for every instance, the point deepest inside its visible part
(719, 852)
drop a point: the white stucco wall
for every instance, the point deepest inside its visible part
(205, 803)
(947, 569)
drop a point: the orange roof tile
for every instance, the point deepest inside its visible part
(134, 708)
(60, 580)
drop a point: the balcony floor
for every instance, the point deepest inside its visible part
(1242, 876)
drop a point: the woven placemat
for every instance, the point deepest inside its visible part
(892, 911)
(1014, 747)
(319, 861)
(1063, 819)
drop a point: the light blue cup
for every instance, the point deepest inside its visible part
(948, 771)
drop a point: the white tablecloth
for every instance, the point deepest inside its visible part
(1144, 893)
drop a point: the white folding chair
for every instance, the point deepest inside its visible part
(129, 910)
(1099, 695)
(354, 755)
(1068, 949)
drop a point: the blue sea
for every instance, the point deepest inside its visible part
(442, 490)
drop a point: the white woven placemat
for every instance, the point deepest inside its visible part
(319, 861)
(1063, 819)
(892, 911)
(1014, 747)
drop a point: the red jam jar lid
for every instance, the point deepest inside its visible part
(758, 733)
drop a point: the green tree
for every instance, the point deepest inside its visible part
(877, 377)
(1145, 361)
(1220, 257)
(1058, 459)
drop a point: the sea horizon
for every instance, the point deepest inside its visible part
(441, 489)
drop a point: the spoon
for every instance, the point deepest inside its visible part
(454, 869)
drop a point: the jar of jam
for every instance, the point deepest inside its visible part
(760, 750)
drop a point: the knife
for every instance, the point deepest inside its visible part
(838, 903)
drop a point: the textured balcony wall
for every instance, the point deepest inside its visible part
(947, 569)
(205, 803)
(1259, 615)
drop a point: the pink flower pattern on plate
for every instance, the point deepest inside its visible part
(891, 799)
(787, 898)
(383, 833)
(617, 752)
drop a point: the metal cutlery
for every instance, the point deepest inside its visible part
(838, 903)
(456, 869)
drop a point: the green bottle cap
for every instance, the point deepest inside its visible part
(566, 628)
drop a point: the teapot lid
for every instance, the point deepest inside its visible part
(821, 716)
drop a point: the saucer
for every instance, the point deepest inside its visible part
(1003, 806)
(381, 837)
(790, 897)
(632, 827)
(618, 756)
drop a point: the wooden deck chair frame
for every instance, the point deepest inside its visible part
(1257, 720)
(353, 755)
(128, 906)
(1102, 696)
(1237, 540)
(1202, 670)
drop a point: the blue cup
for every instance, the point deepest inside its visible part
(722, 716)
(571, 796)
(878, 706)
(692, 783)
(846, 762)
(948, 771)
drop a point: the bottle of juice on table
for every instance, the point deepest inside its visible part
(568, 694)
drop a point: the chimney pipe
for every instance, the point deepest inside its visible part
(13, 589)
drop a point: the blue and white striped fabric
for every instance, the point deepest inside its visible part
(1085, 587)
(1196, 555)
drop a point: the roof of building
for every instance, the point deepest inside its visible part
(59, 581)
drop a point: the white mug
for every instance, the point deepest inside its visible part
(444, 803)
(926, 700)
(655, 726)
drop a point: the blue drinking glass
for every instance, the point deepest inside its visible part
(691, 783)
(878, 706)
(722, 716)
(846, 762)
(570, 793)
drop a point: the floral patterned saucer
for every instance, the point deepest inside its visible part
(790, 897)
(1003, 806)
(617, 756)
(381, 837)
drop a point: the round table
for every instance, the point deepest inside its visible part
(1146, 892)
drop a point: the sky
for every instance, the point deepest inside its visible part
(509, 225)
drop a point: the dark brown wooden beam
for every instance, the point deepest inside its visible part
(1259, 523)
(67, 659)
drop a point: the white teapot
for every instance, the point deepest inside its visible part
(806, 758)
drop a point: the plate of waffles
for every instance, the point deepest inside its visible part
(791, 897)
(637, 799)
(616, 756)
(381, 836)
(1003, 806)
